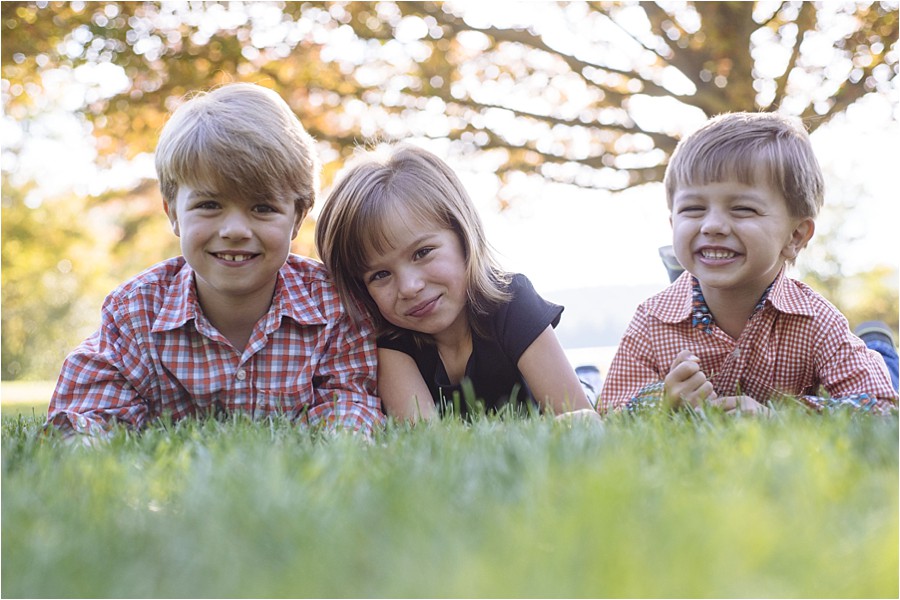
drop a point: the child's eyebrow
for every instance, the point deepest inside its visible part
(374, 265)
(693, 195)
(204, 194)
(688, 197)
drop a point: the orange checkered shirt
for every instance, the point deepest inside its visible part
(156, 354)
(796, 345)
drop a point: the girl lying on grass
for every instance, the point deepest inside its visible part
(403, 240)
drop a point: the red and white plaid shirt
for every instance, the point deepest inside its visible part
(796, 344)
(156, 354)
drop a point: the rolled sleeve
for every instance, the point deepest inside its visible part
(346, 384)
(91, 392)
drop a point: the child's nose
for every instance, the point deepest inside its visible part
(411, 283)
(715, 223)
(235, 226)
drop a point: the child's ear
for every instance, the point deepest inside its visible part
(173, 217)
(803, 232)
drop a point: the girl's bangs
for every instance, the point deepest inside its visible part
(381, 221)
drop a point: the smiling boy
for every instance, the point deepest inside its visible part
(733, 330)
(237, 324)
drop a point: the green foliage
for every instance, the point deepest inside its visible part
(60, 259)
(799, 506)
(869, 296)
(550, 92)
(47, 256)
(555, 89)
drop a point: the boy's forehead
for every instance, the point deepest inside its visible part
(224, 190)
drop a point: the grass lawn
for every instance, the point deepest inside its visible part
(658, 506)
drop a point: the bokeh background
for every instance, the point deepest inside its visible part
(559, 116)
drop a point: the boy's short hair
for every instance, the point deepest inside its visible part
(241, 138)
(745, 146)
(372, 194)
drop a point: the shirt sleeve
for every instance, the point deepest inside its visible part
(92, 390)
(403, 342)
(345, 382)
(852, 376)
(524, 318)
(634, 376)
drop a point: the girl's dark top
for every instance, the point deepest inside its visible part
(492, 369)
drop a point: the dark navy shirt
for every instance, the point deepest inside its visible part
(492, 371)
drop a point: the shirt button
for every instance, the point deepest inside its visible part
(737, 353)
(241, 374)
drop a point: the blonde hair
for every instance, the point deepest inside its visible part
(371, 195)
(745, 146)
(241, 138)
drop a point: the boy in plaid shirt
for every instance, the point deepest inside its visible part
(733, 330)
(237, 324)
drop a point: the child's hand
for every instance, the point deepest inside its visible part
(737, 405)
(686, 383)
(587, 415)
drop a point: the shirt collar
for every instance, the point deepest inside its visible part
(783, 294)
(181, 304)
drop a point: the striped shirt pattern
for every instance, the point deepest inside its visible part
(155, 354)
(795, 346)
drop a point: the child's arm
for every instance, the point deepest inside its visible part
(635, 376)
(852, 376)
(550, 376)
(640, 378)
(92, 390)
(345, 395)
(402, 389)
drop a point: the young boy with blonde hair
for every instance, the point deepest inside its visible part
(733, 330)
(237, 324)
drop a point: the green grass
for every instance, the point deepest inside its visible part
(26, 409)
(799, 506)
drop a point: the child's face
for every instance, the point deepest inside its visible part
(420, 282)
(234, 245)
(733, 236)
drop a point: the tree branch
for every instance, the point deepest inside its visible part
(805, 22)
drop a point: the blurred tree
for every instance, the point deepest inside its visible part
(568, 91)
(594, 94)
(51, 270)
(867, 296)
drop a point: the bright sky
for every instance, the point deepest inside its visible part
(560, 236)
(567, 238)
(564, 237)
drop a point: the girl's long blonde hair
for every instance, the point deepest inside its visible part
(371, 195)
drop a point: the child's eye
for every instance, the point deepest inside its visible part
(264, 208)
(746, 210)
(206, 205)
(422, 252)
(688, 210)
(377, 276)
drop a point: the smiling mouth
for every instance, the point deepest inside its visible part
(422, 308)
(717, 254)
(234, 257)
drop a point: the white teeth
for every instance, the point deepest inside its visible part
(235, 257)
(717, 254)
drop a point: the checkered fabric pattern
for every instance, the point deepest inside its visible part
(795, 345)
(156, 354)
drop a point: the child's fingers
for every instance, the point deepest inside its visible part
(701, 391)
(741, 405)
(685, 356)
